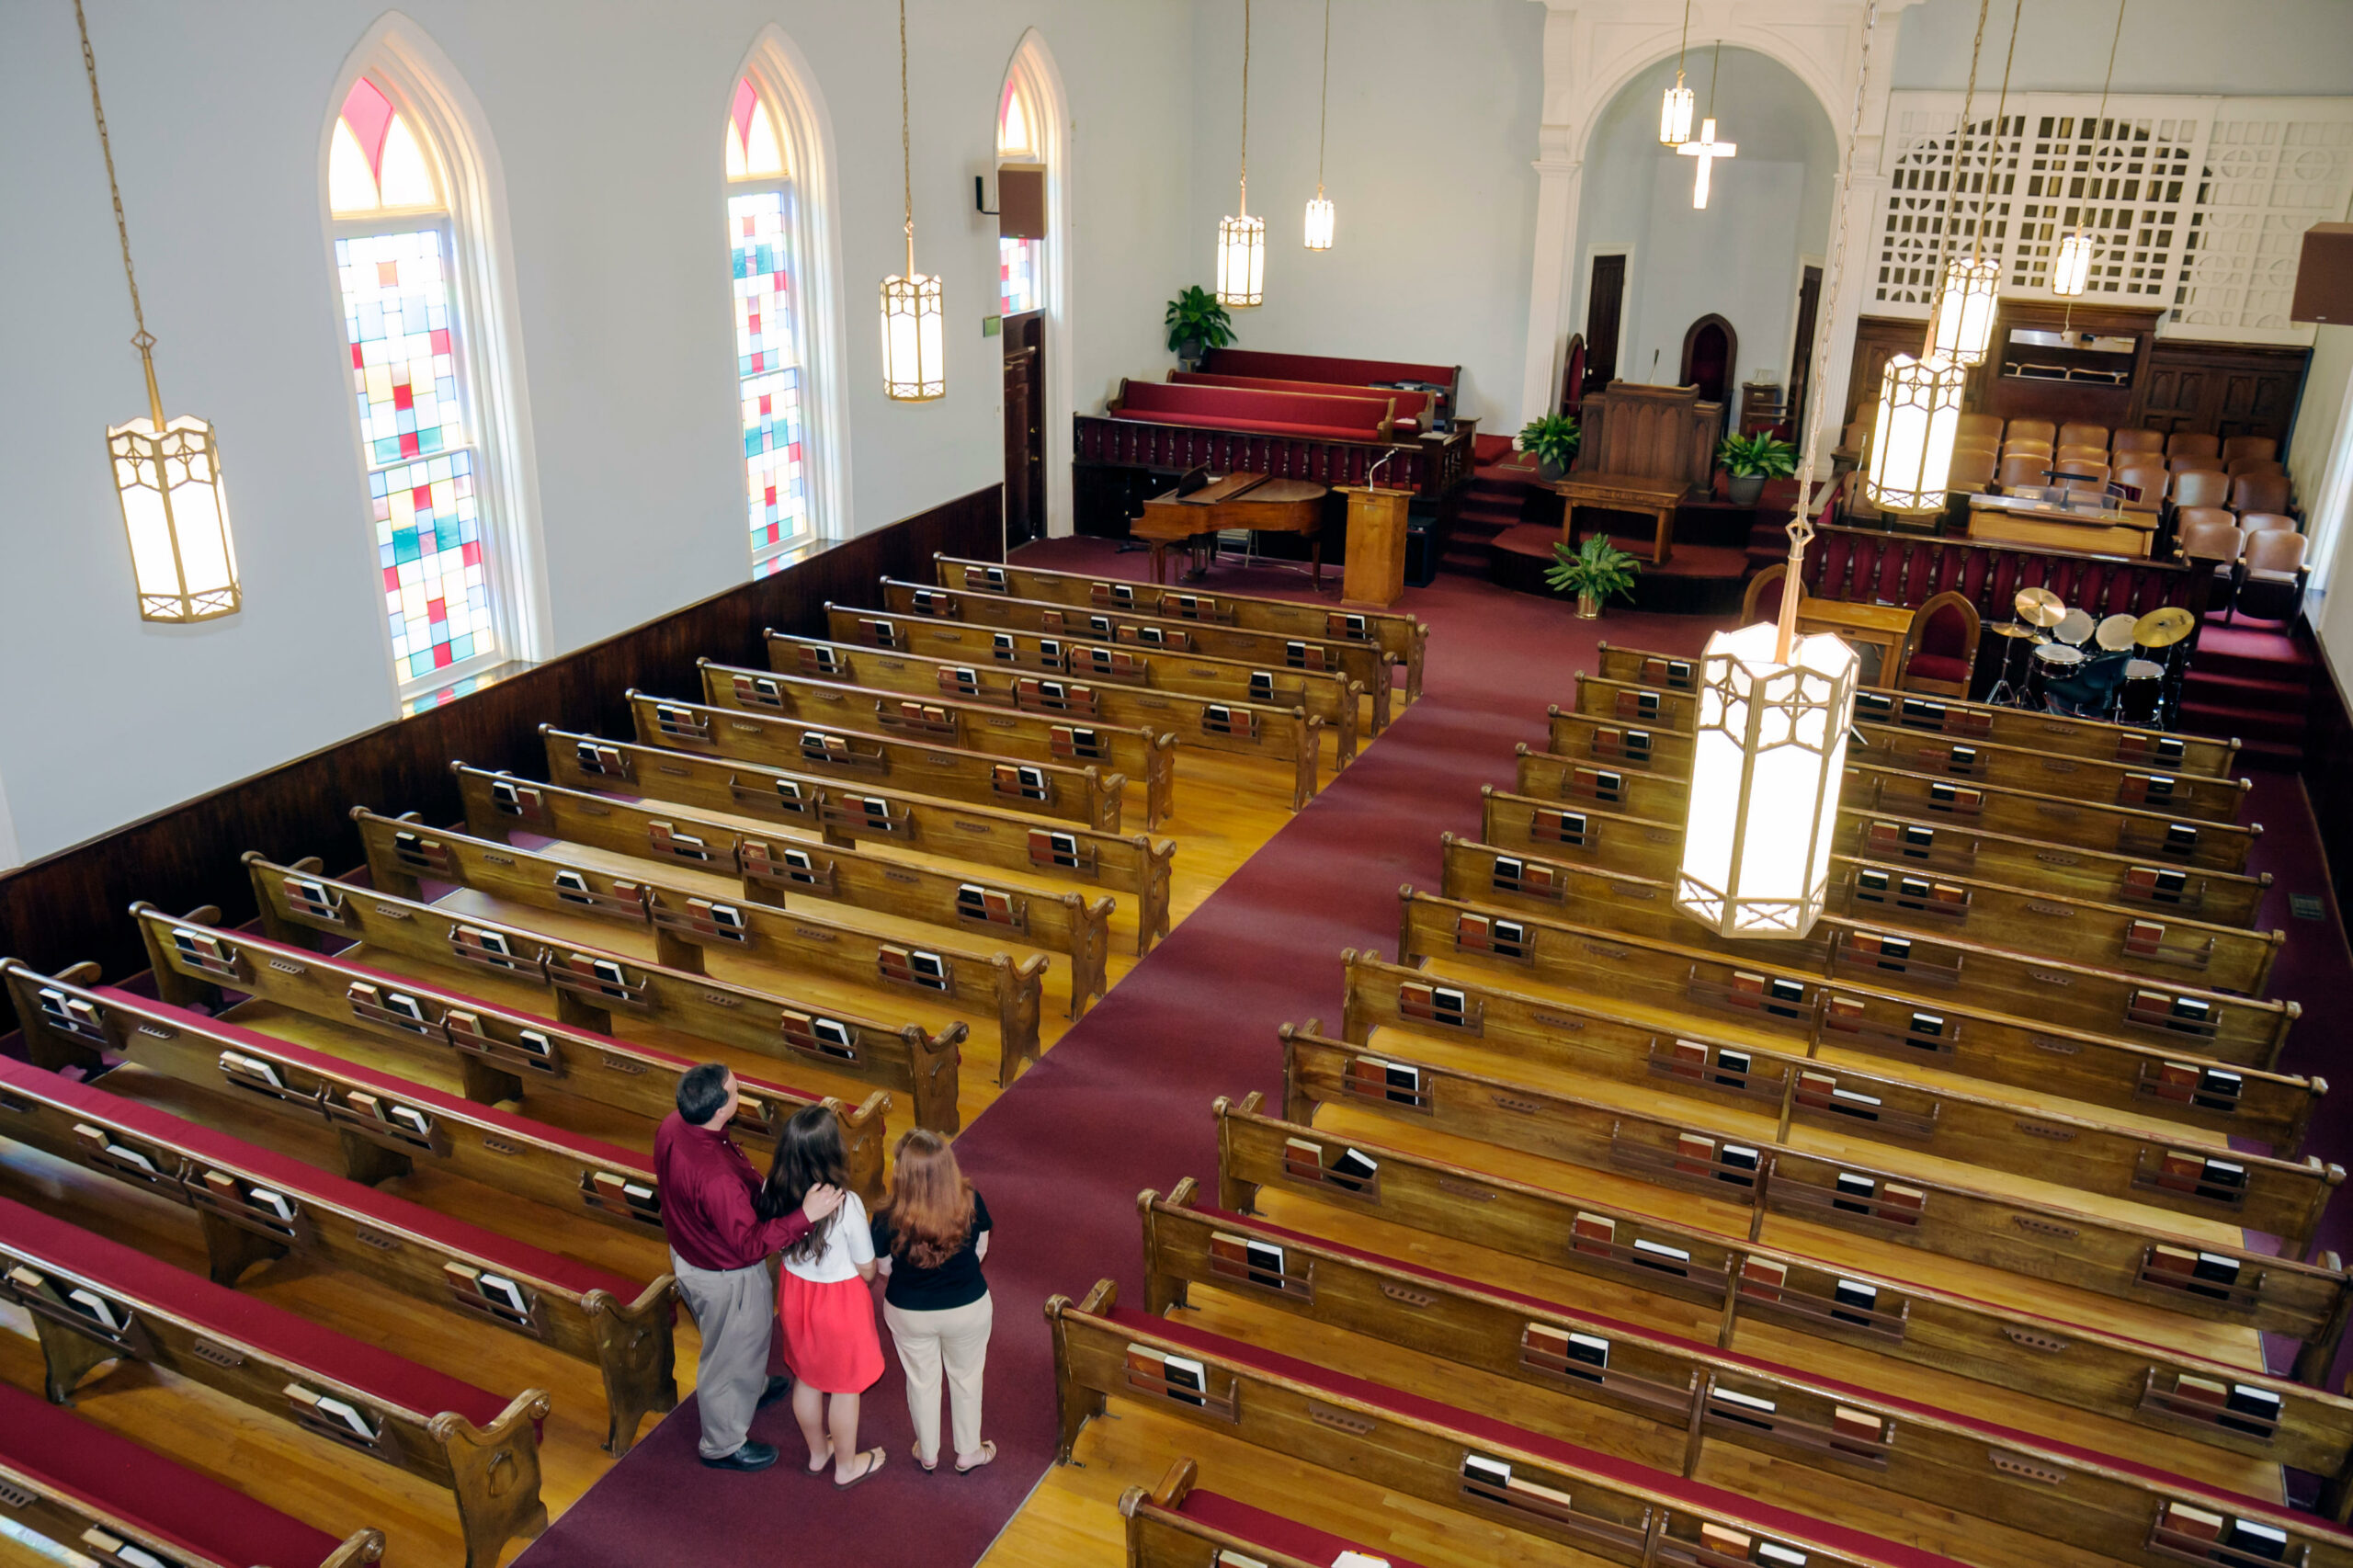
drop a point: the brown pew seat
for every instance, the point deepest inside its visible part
(1265, 1531)
(109, 1478)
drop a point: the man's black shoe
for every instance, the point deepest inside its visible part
(751, 1456)
(777, 1387)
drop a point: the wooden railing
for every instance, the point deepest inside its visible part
(1428, 467)
(1866, 566)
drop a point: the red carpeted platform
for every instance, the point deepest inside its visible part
(1698, 579)
(1121, 1103)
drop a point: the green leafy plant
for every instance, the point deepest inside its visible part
(1195, 316)
(1552, 439)
(1757, 457)
(1596, 568)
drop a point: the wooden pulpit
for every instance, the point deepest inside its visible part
(1644, 449)
(1376, 568)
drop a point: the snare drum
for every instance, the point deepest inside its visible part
(2142, 693)
(2052, 661)
(2074, 629)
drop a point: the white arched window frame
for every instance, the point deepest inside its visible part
(782, 248)
(1033, 84)
(454, 511)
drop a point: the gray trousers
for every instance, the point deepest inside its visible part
(734, 1311)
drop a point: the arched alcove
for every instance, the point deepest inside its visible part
(1033, 81)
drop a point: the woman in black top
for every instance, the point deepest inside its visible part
(931, 1236)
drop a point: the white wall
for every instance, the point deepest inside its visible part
(1434, 111)
(2276, 47)
(606, 116)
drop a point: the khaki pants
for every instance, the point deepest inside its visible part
(734, 1311)
(957, 1339)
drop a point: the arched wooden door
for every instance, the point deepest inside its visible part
(1710, 350)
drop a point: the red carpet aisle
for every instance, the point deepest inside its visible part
(1122, 1102)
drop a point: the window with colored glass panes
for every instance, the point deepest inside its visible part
(393, 263)
(1016, 259)
(760, 231)
(1016, 269)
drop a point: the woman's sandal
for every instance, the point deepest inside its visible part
(874, 1457)
(916, 1453)
(988, 1452)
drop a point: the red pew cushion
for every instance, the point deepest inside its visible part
(116, 1476)
(377, 1373)
(1360, 415)
(1227, 422)
(1409, 405)
(1273, 1531)
(1322, 368)
(396, 1214)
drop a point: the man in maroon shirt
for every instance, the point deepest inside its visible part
(718, 1249)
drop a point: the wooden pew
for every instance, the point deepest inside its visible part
(95, 1301)
(2223, 958)
(821, 811)
(590, 985)
(2084, 779)
(253, 1205)
(1138, 751)
(120, 1505)
(1435, 1453)
(1402, 636)
(2049, 733)
(1743, 1167)
(1329, 696)
(687, 927)
(1360, 661)
(498, 1050)
(1287, 737)
(1655, 848)
(1552, 1353)
(497, 803)
(384, 1125)
(2108, 1374)
(1997, 979)
(1083, 795)
(1179, 1525)
(1802, 1088)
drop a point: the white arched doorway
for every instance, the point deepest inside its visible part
(1033, 129)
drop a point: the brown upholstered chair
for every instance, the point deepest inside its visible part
(2137, 441)
(2023, 468)
(1763, 599)
(2075, 435)
(2081, 453)
(2237, 466)
(2082, 467)
(1988, 425)
(2259, 492)
(2200, 487)
(2271, 576)
(2149, 477)
(2249, 446)
(2186, 461)
(2037, 430)
(1944, 646)
(1972, 469)
(2253, 523)
(2190, 444)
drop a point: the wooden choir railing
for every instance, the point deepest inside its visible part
(1428, 467)
(1864, 565)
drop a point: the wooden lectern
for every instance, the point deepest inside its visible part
(1376, 568)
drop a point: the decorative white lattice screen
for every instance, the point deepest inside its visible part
(2199, 205)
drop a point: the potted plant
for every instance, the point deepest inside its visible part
(1196, 323)
(1593, 571)
(1750, 461)
(1553, 441)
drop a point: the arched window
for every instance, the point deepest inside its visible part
(1020, 286)
(763, 232)
(396, 264)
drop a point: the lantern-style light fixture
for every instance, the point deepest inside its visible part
(1961, 328)
(1675, 107)
(914, 330)
(1769, 752)
(1242, 240)
(1912, 441)
(166, 472)
(1319, 209)
(2071, 272)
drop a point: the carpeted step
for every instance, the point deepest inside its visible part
(2272, 757)
(2251, 692)
(2225, 720)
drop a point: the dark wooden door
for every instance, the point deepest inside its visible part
(1801, 353)
(1025, 427)
(1604, 300)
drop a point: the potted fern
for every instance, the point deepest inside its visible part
(1196, 324)
(1552, 441)
(1593, 571)
(1750, 461)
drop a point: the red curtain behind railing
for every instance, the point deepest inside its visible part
(1865, 566)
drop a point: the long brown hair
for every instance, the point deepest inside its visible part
(930, 1205)
(808, 1153)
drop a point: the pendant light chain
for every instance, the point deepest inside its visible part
(907, 152)
(1245, 107)
(2101, 117)
(1323, 111)
(1683, 47)
(2001, 109)
(1716, 69)
(142, 340)
(1961, 146)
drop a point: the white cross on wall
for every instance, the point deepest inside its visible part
(1706, 149)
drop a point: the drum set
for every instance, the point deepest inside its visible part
(2057, 660)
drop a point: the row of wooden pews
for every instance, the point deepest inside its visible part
(1952, 1233)
(374, 1171)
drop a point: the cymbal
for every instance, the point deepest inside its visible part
(2164, 628)
(2038, 606)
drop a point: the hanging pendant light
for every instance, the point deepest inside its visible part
(1961, 328)
(1674, 109)
(1769, 752)
(2071, 273)
(1318, 210)
(1706, 149)
(1242, 240)
(1912, 441)
(166, 472)
(915, 368)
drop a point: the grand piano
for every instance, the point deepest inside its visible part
(1192, 514)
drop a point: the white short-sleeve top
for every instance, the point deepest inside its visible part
(847, 1244)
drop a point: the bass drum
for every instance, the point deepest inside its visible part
(2142, 697)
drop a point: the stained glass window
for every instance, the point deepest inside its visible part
(408, 377)
(1016, 260)
(760, 231)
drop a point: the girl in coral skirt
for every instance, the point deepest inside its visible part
(822, 1300)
